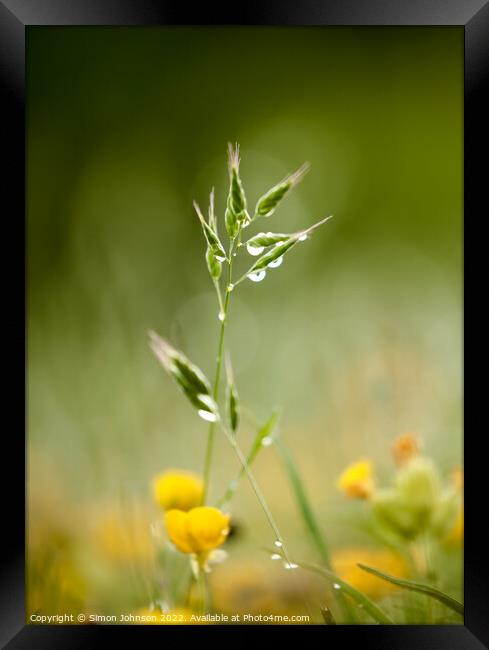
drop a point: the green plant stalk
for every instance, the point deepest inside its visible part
(259, 495)
(447, 600)
(368, 605)
(266, 430)
(210, 439)
(224, 308)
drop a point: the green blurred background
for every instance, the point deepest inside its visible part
(357, 336)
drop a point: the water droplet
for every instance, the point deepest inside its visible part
(230, 287)
(277, 262)
(207, 415)
(336, 586)
(303, 237)
(278, 543)
(222, 316)
(258, 276)
(254, 250)
(290, 565)
(267, 441)
(275, 556)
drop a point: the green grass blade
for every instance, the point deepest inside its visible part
(360, 598)
(450, 602)
(303, 502)
(266, 431)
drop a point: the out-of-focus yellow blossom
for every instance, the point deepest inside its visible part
(123, 536)
(178, 489)
(345, 562)
(197, 532)
(456, 535)
(405, 447)
(177, 616)
(458, 478)
(357, 480)
(251, 587)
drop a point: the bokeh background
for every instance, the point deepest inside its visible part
(357, 337)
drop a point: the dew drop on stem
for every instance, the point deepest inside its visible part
(275, 263)
(290, 565)
(254, 250)
(258, 276)
(207, 415)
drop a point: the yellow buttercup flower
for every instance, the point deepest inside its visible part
(345, 562)
(120, 536)
(405, 447)
(178, 489)
(357, 480)
(458, 478)
(197, 532)
(456, 535)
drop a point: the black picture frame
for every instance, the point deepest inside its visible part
(15, 17)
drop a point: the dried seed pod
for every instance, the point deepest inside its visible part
(211, 237)
(190, 379)
(267, 204)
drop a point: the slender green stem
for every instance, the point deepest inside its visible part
(223, 313)
(279, 540)
(266, 430)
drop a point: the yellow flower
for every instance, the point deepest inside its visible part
(198, 531)
(458, 478)
(122, 536)
(456, 535)
(405, 447)
(345, 565)
(357, 480)
(177, 489)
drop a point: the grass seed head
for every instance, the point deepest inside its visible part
(267, 204)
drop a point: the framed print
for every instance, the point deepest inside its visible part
(241, 243)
